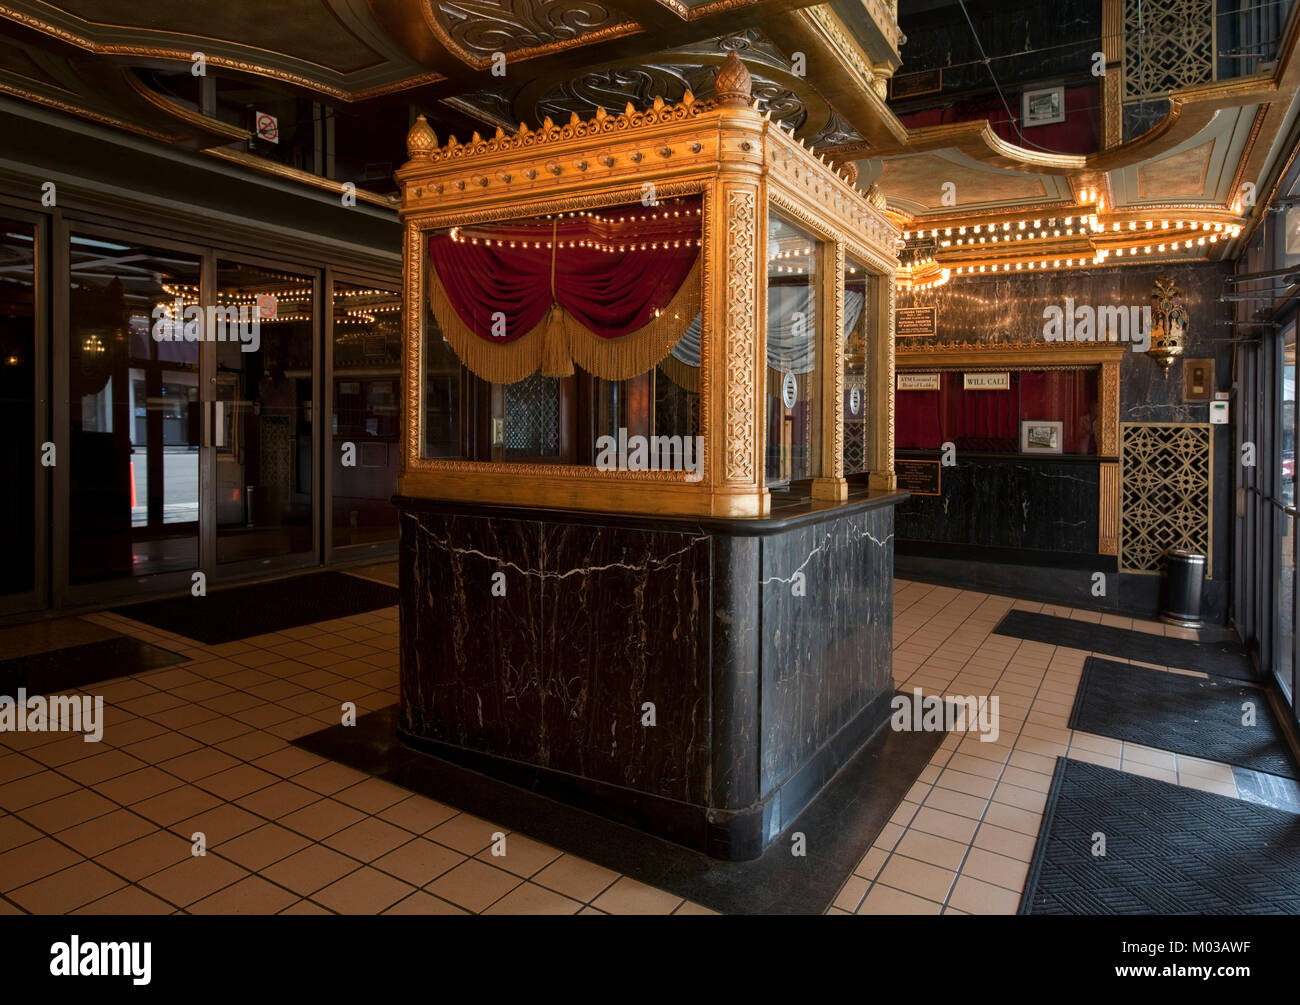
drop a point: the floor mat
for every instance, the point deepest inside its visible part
(1198, 716)
(1168, 850)
(839, 824)
(241, 612)
(1224, 657)
(77, 666)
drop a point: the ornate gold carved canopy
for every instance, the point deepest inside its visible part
(741, 164)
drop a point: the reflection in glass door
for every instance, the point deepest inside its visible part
(364, 424)
(1284, 510)
(263, 421)
(18, 405)
(133, 418)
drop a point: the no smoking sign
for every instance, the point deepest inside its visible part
(268, 127)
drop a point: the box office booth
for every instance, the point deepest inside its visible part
(647, 490)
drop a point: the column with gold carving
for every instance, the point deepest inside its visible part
(882, 380)
(733, 328)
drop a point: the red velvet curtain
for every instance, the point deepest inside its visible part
(1067, 396)
(596, 275)
(990, 420)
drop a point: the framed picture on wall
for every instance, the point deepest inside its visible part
(1038, 436)
(1198, 379)
(1043, 106)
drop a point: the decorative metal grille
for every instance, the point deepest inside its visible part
(1165, 491)
(533, 416)
(1168, 44)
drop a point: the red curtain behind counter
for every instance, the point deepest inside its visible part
(990, 420)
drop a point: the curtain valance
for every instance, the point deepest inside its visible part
(612, 290)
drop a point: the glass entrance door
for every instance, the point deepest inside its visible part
(132, 483)
(264, 430)
(20, 504)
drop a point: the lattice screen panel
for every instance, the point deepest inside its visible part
(1164, 491)
(533, 416)
(1175, 50)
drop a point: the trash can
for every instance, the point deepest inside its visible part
(1184, 576)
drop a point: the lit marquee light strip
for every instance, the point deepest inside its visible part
(614, 247)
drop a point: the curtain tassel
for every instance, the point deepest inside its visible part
(556, 359)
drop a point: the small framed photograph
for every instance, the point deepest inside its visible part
(1043, 106)
(1198, 379)
(1041, 437)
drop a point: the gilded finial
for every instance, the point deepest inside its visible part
(421, 140)
(732, 85)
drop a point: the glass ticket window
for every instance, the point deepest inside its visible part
(579, 333)
(365, 424)
(857, 354)
(793, 392)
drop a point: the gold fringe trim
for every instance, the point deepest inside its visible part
(559, 340)
(638, 351)
(682, 374)
(498, 363)
(556, 361)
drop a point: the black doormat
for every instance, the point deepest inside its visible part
(241, 612)
(1221, 655)
(1188, 715)
(1169, 850)
(839, 825)
(77, 666)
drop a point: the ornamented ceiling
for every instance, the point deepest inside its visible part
(482, 64)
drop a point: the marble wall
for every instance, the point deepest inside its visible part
(765, 647)
(1039, 504)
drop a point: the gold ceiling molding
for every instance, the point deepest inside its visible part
(172, 54)
(605, 33)
(67, 107)
(189, 116)
(264, 165)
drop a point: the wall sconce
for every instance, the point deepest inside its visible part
(1169, 324)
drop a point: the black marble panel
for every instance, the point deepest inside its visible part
(1031, 40)
(1021, 503)
(827, 634)
(764, 645)
(593, 624)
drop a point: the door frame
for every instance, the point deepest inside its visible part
(313, 558)
(38, 596)
(122, 589)
(376, 550)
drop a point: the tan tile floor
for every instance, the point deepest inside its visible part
(203, 746)
(961, 840)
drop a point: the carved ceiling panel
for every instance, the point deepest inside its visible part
(793, 102)
(476, 30)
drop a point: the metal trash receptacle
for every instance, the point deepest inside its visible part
(1184, 577)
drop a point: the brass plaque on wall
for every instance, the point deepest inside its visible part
(921, 478)
(914, 322)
